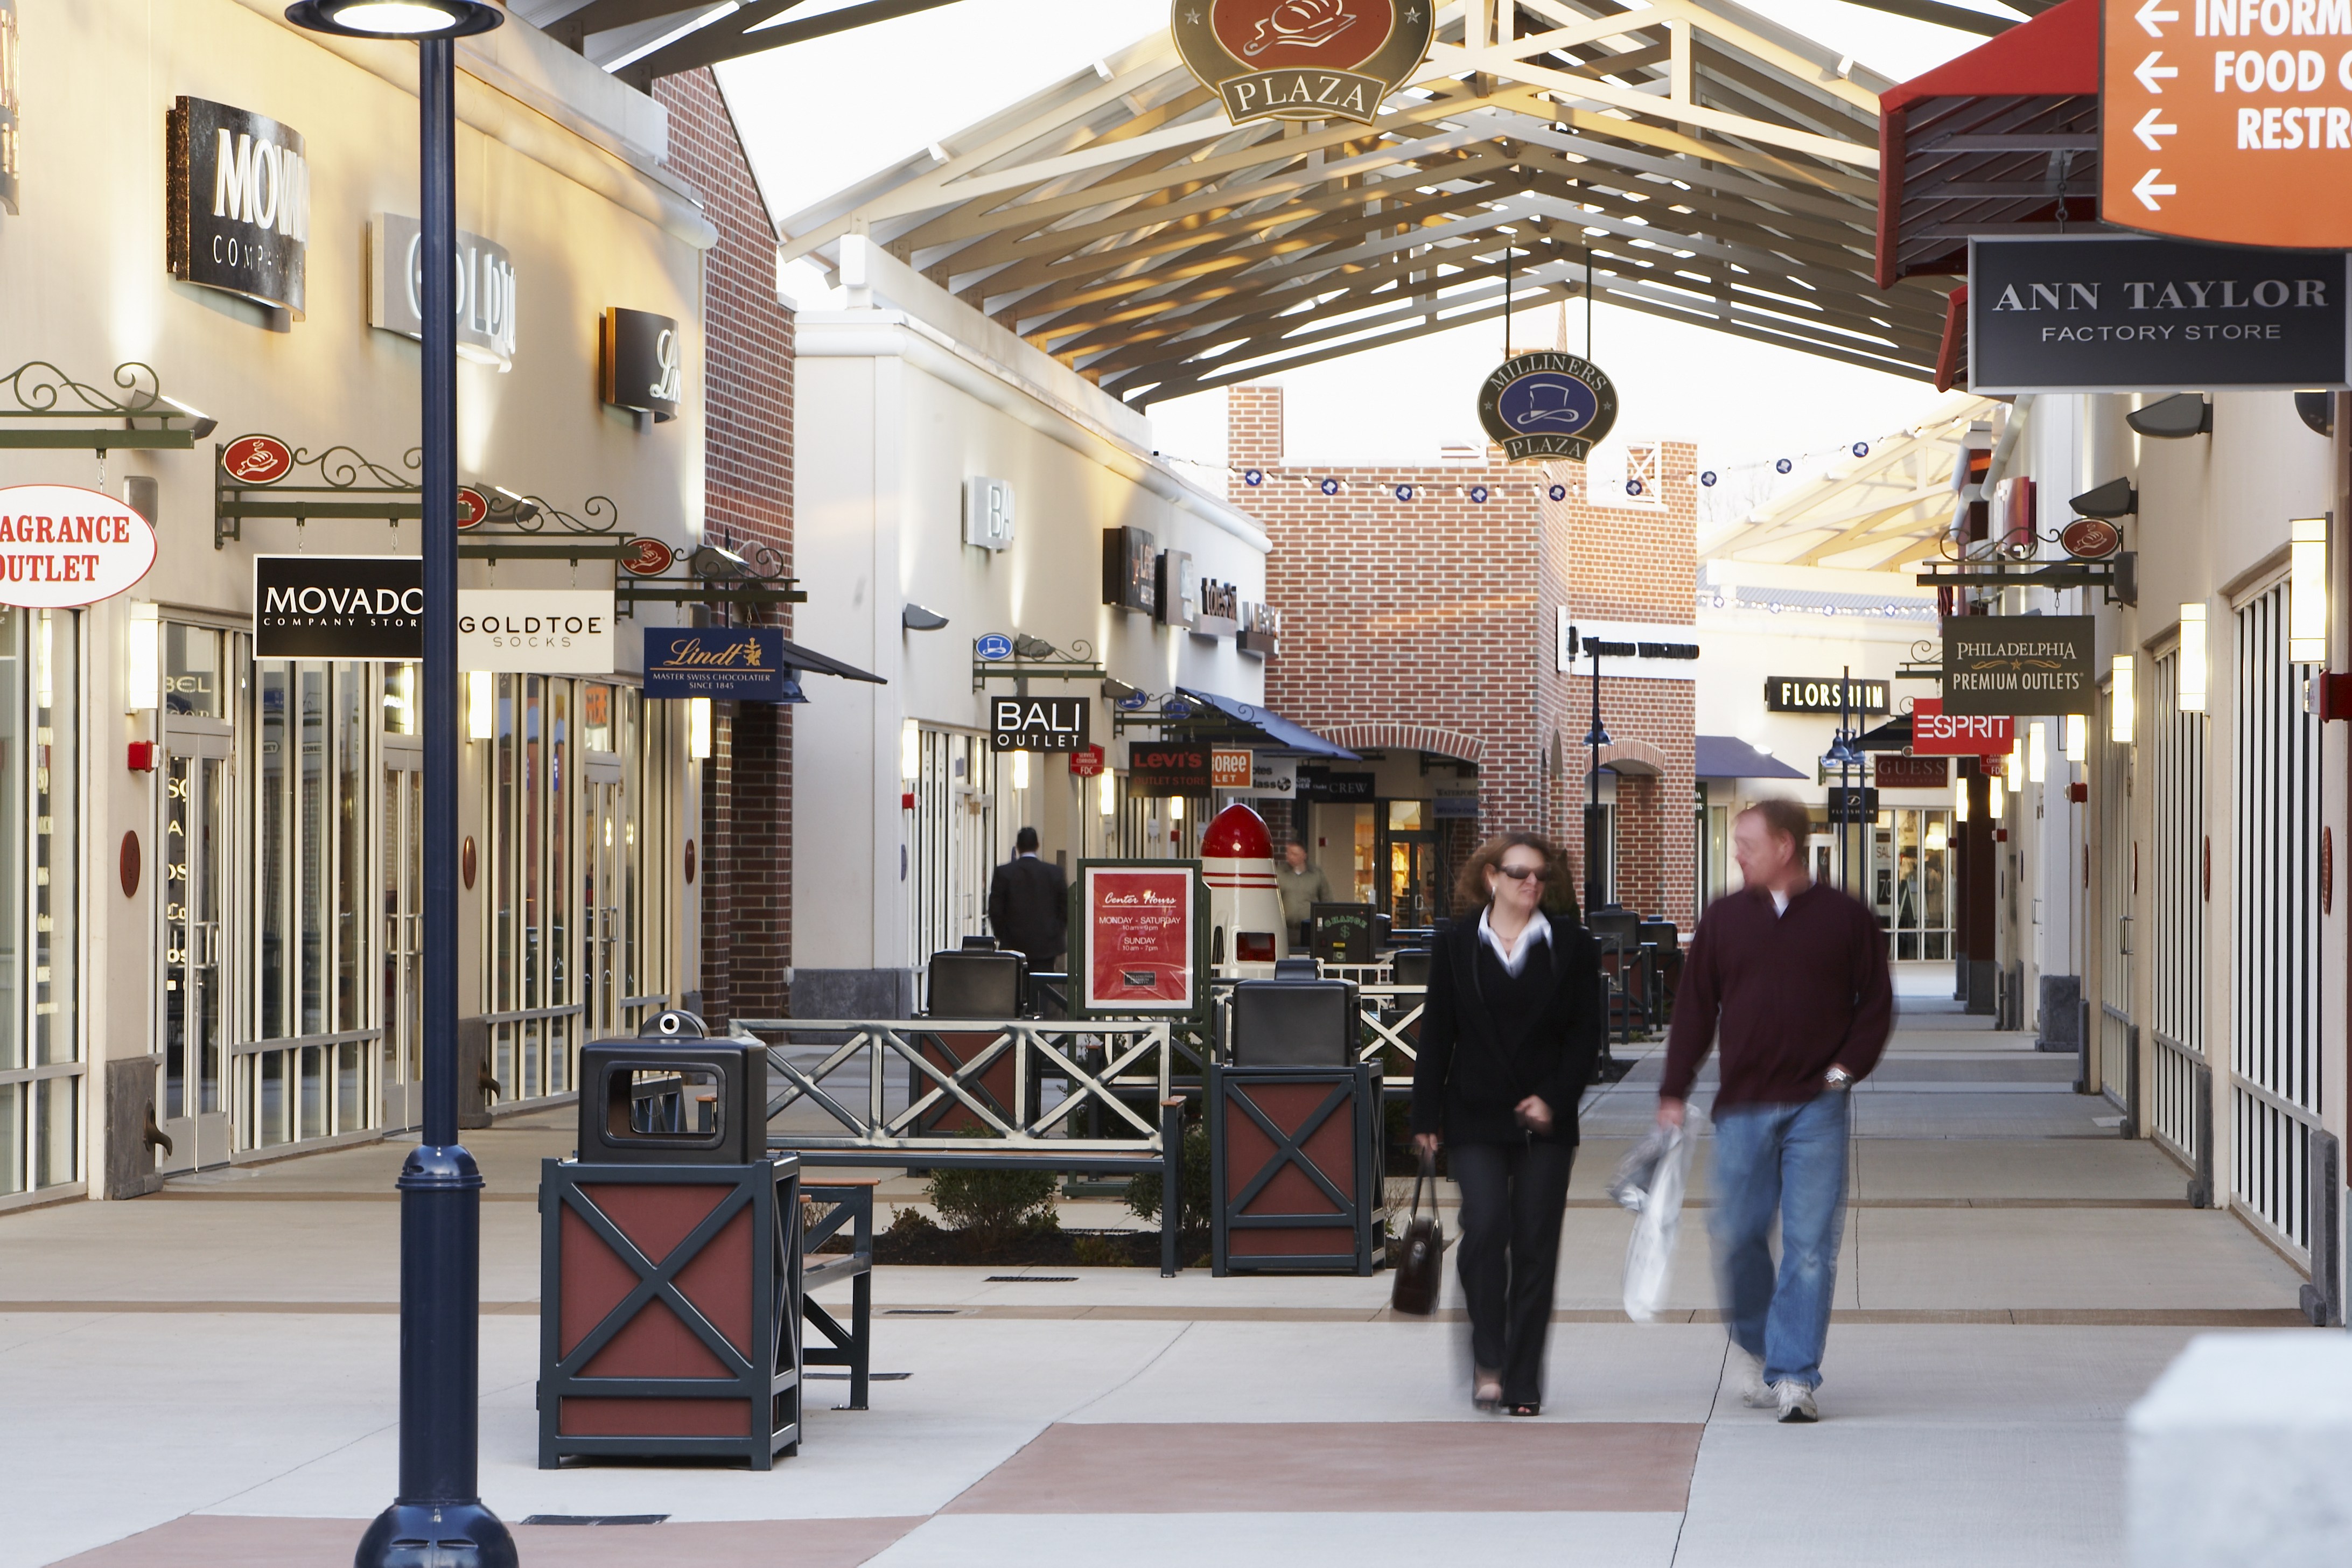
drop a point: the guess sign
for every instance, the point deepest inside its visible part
(1935, 734)
(1895, 771)
(61, 545)
(257, 460)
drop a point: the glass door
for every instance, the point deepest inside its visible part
(401, 1071)
(601, 907)
(197, 995)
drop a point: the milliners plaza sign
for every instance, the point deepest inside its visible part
(1303, 60)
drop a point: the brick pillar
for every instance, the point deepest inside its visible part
(717, 857)
(1253, 427)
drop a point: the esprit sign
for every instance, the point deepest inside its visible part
(1037, 724)
(1935, 734)
(1303, 60)
(2221, 120)
(237, 203)
(61, 545)
(485, 292)
(338, 606)
(534, 631)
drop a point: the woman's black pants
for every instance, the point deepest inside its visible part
(1513, 1195)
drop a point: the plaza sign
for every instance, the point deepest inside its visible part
(2128, 313)
(1303, 60)
(2219, 120)
(62, 546)
(237, 203)
(1548, 404)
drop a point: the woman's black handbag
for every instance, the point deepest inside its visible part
(1415, 1291)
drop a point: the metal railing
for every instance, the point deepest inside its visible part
(2119, 1063)
(2181, 1111)
(989, 1076)
(1390, 1017)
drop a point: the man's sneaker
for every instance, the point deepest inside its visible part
(1796, 1401)
(1748, 1372)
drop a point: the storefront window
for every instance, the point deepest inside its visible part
(1910, 882)
(40, 819)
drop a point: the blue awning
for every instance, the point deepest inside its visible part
(1278, 730)
(1729, 757)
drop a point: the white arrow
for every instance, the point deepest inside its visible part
(2148, 189)
(2147, 70)
(2150, 128)
(2147, 17)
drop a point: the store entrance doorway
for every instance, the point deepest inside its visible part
(1409, 892)
(401, 1071)
(198, 883)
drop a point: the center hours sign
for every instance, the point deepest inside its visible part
(1140, 937)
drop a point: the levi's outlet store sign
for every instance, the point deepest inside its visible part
(557, 631)
(237, 203)
(62, 546)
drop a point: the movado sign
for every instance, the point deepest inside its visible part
(645, 357)
(536, 631)
(2019, 664)
(1303, 60)
(2123, 313)
(1037, 724)
(338, 606)
(485, 295)
(237, 203)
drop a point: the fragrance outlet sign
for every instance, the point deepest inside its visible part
(236, 204)
(338, 606)
(61, 545)
(560, 631)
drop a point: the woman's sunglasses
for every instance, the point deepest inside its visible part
(1521, 873)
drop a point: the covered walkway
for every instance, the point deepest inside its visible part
(207, 1378)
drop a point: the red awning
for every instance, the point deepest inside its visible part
(1991, 142)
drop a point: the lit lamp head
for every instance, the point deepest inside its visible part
(398, 18)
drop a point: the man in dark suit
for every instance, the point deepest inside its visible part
(1029, 904)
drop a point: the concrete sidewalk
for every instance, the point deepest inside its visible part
(207, 1378)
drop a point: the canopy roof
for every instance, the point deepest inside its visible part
(1248, 722)
(1691, 159)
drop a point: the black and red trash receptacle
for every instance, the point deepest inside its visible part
(669, 1312)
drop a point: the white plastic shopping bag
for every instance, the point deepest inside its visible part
(1650, 1183)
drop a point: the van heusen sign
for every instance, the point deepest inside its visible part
(485, 289)
(1807, 694)
(536, 631)
(2125, 313)
(743, 664)
(237, 203)
(1037, 724)
(338, 606)
(61, 546)
(2019, 664)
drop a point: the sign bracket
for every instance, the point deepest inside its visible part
(47, 399)
(2116, 578)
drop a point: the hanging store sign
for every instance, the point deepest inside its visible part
(1303, 60)
(1935, 734)
(62, 546)
(1849, 806)
(485, 291)
(741, 664)
(2090, 539)
(1038, 723)
(2019, 664)
(1322, 783)
(1179, 589)
(536, 631)
(338, 606)
(1130, 570)
(1140, 938)
(2125, 313)
(2219, 120)
(257, 460)
(9, 109)
(644, 356)
(1086, 762)
(1893, 770)
(1548, 404)
(237, 203)
(1230, 768)
(1162, 767)
(1806, 694)
(647, 557)
(1272, 778)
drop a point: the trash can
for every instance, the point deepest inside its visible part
(669, 1259)
(1294, 1128)
(966, 985)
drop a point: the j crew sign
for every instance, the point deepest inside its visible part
(237, 203)
(644, 362)
(338, 606)
(485, 291)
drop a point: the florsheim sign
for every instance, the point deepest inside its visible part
(2123, 313)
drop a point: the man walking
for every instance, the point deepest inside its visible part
(1029, 904)
(1795, 976)
(1301, 887)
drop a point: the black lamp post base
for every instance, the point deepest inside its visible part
(437, 1535)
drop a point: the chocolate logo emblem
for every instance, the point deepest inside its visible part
(1303, 60)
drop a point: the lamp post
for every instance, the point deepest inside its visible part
(1596, 884)
(438, 1516)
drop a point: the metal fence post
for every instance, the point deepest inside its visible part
(1171, 1179)
(2200, 1188)
(2323, 1298)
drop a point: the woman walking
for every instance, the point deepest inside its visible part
(1512, 1022)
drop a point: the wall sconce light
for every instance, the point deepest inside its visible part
(2078, 737)
(910, 751)
(2306, 591)
(698, 728)
(1106, 793)
(1960, 800)
(2123, 701)
(482, 705)
(142, 659)
(2037, 753)
(2192, 659)
(2015, 772)
(1019, 770)
(1175, 809)
(1993, 796)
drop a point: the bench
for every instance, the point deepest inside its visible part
(848, 1200)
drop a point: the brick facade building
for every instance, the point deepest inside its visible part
(745, 854)
(1421, 613)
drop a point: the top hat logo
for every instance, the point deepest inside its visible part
(1303, 60)
(1548, 404)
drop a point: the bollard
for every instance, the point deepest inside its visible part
(1171, 1181)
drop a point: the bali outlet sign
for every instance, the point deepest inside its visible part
(1303, 60)
(237, 203)
(2127, 314)
(536, 631)
(1548, 404)
(485, 295)
(1038, 723)
(2018, 664)
(338, 606)
(62, 546)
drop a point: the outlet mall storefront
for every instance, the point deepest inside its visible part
(210, 864)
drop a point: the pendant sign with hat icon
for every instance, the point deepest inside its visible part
(1548, 404)
(1303, 60)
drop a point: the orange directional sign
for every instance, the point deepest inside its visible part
(2228, 120)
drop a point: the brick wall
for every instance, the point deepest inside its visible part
(1427, 620)
(747, 371)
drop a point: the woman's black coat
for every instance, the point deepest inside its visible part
(1470, 1076)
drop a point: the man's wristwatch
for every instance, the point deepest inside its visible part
(1838, 1078)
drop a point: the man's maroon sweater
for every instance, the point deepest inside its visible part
(1796, 993)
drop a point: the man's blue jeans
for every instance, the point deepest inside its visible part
(1788, 1159)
